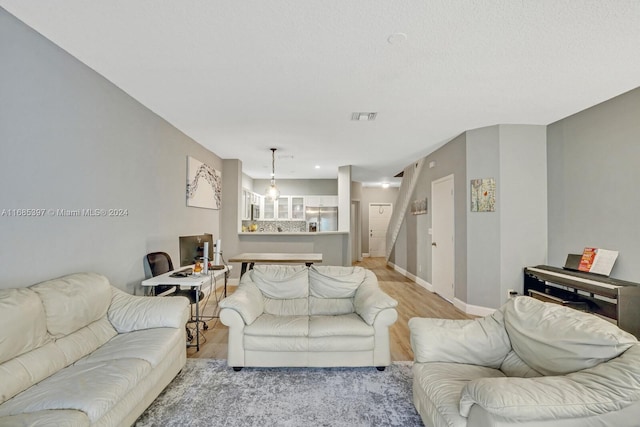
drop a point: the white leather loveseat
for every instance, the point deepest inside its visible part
(320, 316)
(76, 351)
(528, 364)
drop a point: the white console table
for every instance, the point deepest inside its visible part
(197, 281)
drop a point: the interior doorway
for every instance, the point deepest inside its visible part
(379, 216)
(442, 238)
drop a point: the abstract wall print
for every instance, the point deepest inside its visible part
(419, 207)
(483, 195)
(204, 185)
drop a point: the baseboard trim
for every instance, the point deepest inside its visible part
(365, 255)
(410, 276)
(474, 310)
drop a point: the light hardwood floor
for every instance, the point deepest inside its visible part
(413, 301)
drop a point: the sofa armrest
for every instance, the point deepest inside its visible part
(47, 418)
(481, 342)
(131, 313)
(369, 299)
(607, 387)
(247, 300)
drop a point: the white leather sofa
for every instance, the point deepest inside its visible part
(76, 351)
(283, 315)
(529, 364)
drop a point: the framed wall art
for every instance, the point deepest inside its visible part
(483, 195)
(204, 185)
(419, 206)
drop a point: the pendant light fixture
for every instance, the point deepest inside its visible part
(272, 192)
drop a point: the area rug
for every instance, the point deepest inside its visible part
(209, 393)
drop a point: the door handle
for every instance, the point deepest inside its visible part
(434, 244)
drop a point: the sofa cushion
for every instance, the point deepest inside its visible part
(279, 326)
(334, 281)
(93, 388)
(85, 340)
(74, 301)
(513, 366)
(342, 344)
(151, 345)
(330, 306)
(437, 388)
(333, 326)
(476, 342)
(605, 388)
(281, 281)
(556, 340)
(21, 372)
(23, 321)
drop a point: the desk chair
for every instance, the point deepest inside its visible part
(160, 263)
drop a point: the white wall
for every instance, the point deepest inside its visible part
(69, 139)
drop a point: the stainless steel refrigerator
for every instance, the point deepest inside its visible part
(320, 218)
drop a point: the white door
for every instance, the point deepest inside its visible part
(379, 216)
(442, 239)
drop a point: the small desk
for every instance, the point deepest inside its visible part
(196, 281)
(249, 259)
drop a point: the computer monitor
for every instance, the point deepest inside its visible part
(192, 248)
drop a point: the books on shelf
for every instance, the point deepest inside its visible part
(597, 260)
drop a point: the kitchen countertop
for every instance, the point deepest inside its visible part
(289, 233)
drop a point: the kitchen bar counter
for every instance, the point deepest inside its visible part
(289, 233)
(333, 245)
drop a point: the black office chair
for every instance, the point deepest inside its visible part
(160, 263)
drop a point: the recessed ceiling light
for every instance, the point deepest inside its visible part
(317, 166)
(363, 117)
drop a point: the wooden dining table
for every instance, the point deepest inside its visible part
(249, 259)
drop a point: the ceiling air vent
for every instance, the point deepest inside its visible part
(363, 117)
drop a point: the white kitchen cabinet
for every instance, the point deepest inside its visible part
(268, 209)
(283, 207)
(323, 201)
(297, 207)
(249, 198)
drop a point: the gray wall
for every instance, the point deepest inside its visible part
(413, 248)
(491, 248)
(523, 212)
(501, 243)
(69, 139)
(483, 228)
(593, 177)
(299, 187)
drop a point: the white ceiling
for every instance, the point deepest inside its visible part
(241, 77)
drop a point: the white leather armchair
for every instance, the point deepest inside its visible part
(529, 364)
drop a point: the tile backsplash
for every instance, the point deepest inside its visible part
(277, 226)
